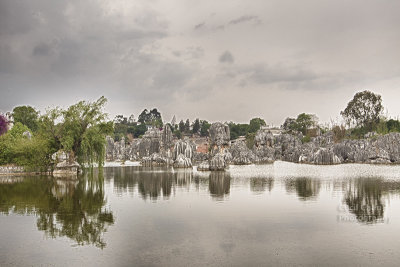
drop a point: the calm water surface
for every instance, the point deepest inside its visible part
(278, 214)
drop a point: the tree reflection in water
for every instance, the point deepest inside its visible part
(364, 198)
(306, 188)
(219, 184)
(74, 209)
(258, 185)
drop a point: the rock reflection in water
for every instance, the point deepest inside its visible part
(74, 209)
(305, 188)
(259, 185)
(219, 184)
(155, 185)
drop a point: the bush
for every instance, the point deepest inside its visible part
(306, 139)
(250, 140)
(9, 141)
(393, 125)
(339, 133)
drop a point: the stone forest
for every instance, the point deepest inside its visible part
(67, 141)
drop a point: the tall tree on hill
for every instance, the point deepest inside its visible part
(364, 110)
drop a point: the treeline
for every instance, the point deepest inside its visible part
(129, 128)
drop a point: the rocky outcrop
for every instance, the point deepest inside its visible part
(219, 134)
(158, 147)
(263, 149)
(182, 162)
(241, 154)
(184, 147)
(218, 163)
(156, 159)
(115, 151)
(204, 166)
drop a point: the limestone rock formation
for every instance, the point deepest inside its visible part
(218, 163)
(185, 148)
(219, 134)
(182, 162)
(204, 166)
(241, 154)
(264, 142)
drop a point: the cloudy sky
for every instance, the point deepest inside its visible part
(217, 60)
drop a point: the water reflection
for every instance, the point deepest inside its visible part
(305, 188)
(364, 198)
(74, 209)
(219, 184)
(154, 185)
(259, 185)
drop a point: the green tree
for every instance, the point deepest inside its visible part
(81, 131)
(289, 124)
(304, 122)
(187, 126)
(204, 126)
(255, 124)
(364, 110)
(8, 143)
(196, 126)
(181, 126)
(26, 115)
(152, 117)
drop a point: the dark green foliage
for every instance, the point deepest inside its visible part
(393, 125)
(204, 126)
(289, 124)
(152, 117)
(255, 124)
(306, 139)
(137, 130)
(187, 126)
(250, 140)
(303, 123)
(237, 130)
(196, 126)
(26, 115)
(178, 134)
(242, 129)
(181, 126)
(364, 110)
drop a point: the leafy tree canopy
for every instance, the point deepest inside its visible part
(80, 130)
(152, 117)
(26, 115)
(364, 110)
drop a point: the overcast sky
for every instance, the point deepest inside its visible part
(219, 60)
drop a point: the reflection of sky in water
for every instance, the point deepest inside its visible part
(281, 213)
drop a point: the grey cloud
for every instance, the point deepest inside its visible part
(199, 26)
(244, 18)
(226, 57)
(264, 74)
(41, 49)
(146, 55)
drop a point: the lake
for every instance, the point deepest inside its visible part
(276, 214)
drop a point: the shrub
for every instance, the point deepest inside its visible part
(339, 133)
